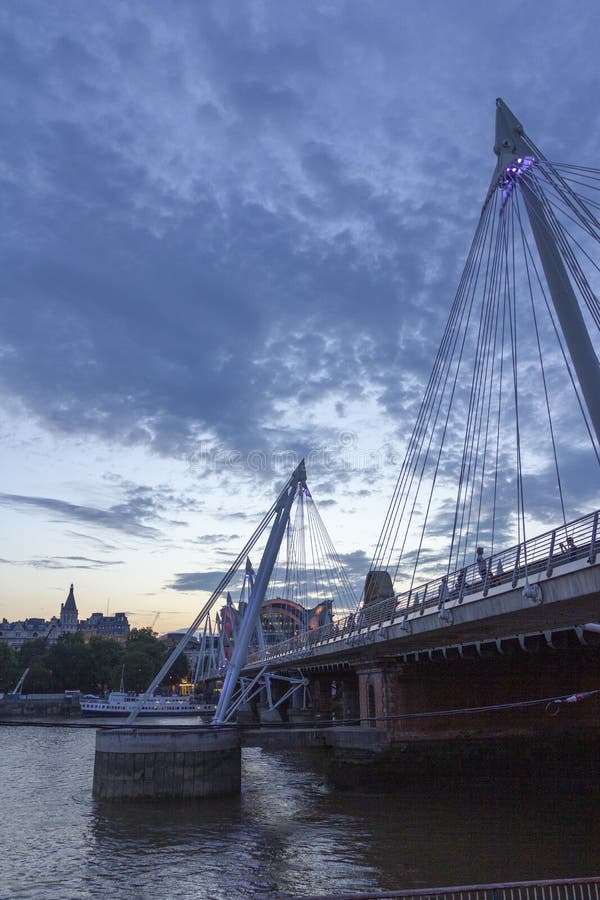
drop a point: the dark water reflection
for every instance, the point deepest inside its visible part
(288, 833)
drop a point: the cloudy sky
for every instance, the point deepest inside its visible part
(231, 235)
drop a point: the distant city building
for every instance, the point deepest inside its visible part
(67, 622)
(99, 625)
(16, 633)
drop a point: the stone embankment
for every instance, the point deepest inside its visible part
(28, 706)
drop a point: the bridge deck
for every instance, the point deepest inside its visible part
(542, 591)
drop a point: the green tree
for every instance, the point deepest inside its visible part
(39, 677)
(140, 669)
(8, 667)
(33, 655)
(30, 650)
(143, 636)
(106, 660)
(179, 670)
(69, 664)
(144, 656)
(70, 661)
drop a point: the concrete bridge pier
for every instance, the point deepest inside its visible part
(485, 710)
(158, 763)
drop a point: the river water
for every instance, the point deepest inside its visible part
(288, 834)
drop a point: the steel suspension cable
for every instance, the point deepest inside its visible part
(526, 256)
(386, 540)
(339, 583)
(455, 330)
(457, 546)
(473, 428)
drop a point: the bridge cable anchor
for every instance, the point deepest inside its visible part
(532, 592)
(406, 625)
(446, 615)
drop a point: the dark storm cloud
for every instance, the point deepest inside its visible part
(326, 570)
(220, 213)
(216, 538)
(196, 581)
(158, 501)
(141, 505)
(147, 304)
(69, 562)
(355, 564)
(121, 517)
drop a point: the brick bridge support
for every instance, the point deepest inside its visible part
(459, 715)
(402, 697)
(335, 695)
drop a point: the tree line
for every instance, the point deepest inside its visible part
(92, 667)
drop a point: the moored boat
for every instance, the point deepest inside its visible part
(122, 703)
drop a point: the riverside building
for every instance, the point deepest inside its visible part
(15, 634)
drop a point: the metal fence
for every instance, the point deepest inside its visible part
(561, 889)
(548, 553)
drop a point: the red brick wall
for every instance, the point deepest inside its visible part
(483, 682)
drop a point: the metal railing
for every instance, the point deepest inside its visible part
(543, 554)
(558, 889)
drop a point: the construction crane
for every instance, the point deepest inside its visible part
(154, 612)
(17, 691)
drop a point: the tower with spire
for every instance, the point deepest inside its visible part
(69, 616)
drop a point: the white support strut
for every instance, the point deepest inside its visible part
(252, 612)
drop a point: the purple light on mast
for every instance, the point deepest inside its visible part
(512, 174)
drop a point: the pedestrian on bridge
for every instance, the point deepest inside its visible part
(443, 591)
(570, 548)
(481, 563)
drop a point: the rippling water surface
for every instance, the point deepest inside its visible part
(288, 833)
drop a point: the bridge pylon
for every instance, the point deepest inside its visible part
(516, 156)
(251, 616)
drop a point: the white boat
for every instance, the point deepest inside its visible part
(122, 703)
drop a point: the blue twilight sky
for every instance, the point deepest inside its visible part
(231, 234)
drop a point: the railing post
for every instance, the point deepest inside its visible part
(488, 572)
(592, 556)
(462, 584)
(515, 576)
(550, 565)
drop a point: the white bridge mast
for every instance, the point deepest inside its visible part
(514, 154)
(252, 613)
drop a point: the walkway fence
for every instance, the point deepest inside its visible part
(562, 889)
(545, 554)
